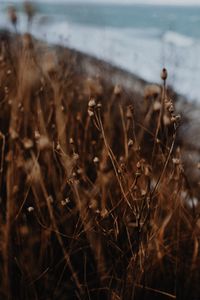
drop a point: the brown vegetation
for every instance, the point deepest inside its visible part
(95, 203)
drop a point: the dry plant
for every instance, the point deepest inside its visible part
(95, 203)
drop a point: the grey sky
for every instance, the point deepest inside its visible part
(169, 2)
(183, 2)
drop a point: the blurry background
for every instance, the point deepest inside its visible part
(141, 38)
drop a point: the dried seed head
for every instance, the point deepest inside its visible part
(138, 173)
(93, 204)
(171, 109)
(178, 118)
(75, 156)
(104, 213)
(28, 143)
(143, 192)
(173, 119)
(58, 148)
(37, 134)
(30, 209)
(74, 175)
(90, 113)
(71, 141)
(92, 103)
(43, 143)
(6, 90)
(12, 15)
(168, 102)
(130, 143)
(29, 10)
(50, 199)
(164, 74)
(79, 171)
(96, 160)
(65, 201)
(121, 159)
(147, 170)
(19, 105)
(157, 141)
(13, 134)
(119, 171)
(176, 161)
(138, 165)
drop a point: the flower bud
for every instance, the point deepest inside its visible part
(164, 74)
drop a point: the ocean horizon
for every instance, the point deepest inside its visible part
(138, 38)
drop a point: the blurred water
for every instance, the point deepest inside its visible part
(138, 38)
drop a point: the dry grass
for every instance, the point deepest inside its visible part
(94, 198)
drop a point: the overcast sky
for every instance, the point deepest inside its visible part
(183, 2)
(169, 2)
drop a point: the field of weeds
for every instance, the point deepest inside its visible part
(94, 200)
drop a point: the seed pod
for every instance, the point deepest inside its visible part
(28, 143)
(75, 156)
(71, 141)
(99, 105)
(29, 10)
(176, 161)
(96, 160)
(130, 143)
(164, 74)
(30, 209)
(43, 143)
(92, 103)
(90, 113)
(178, 118)
(12, 15)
